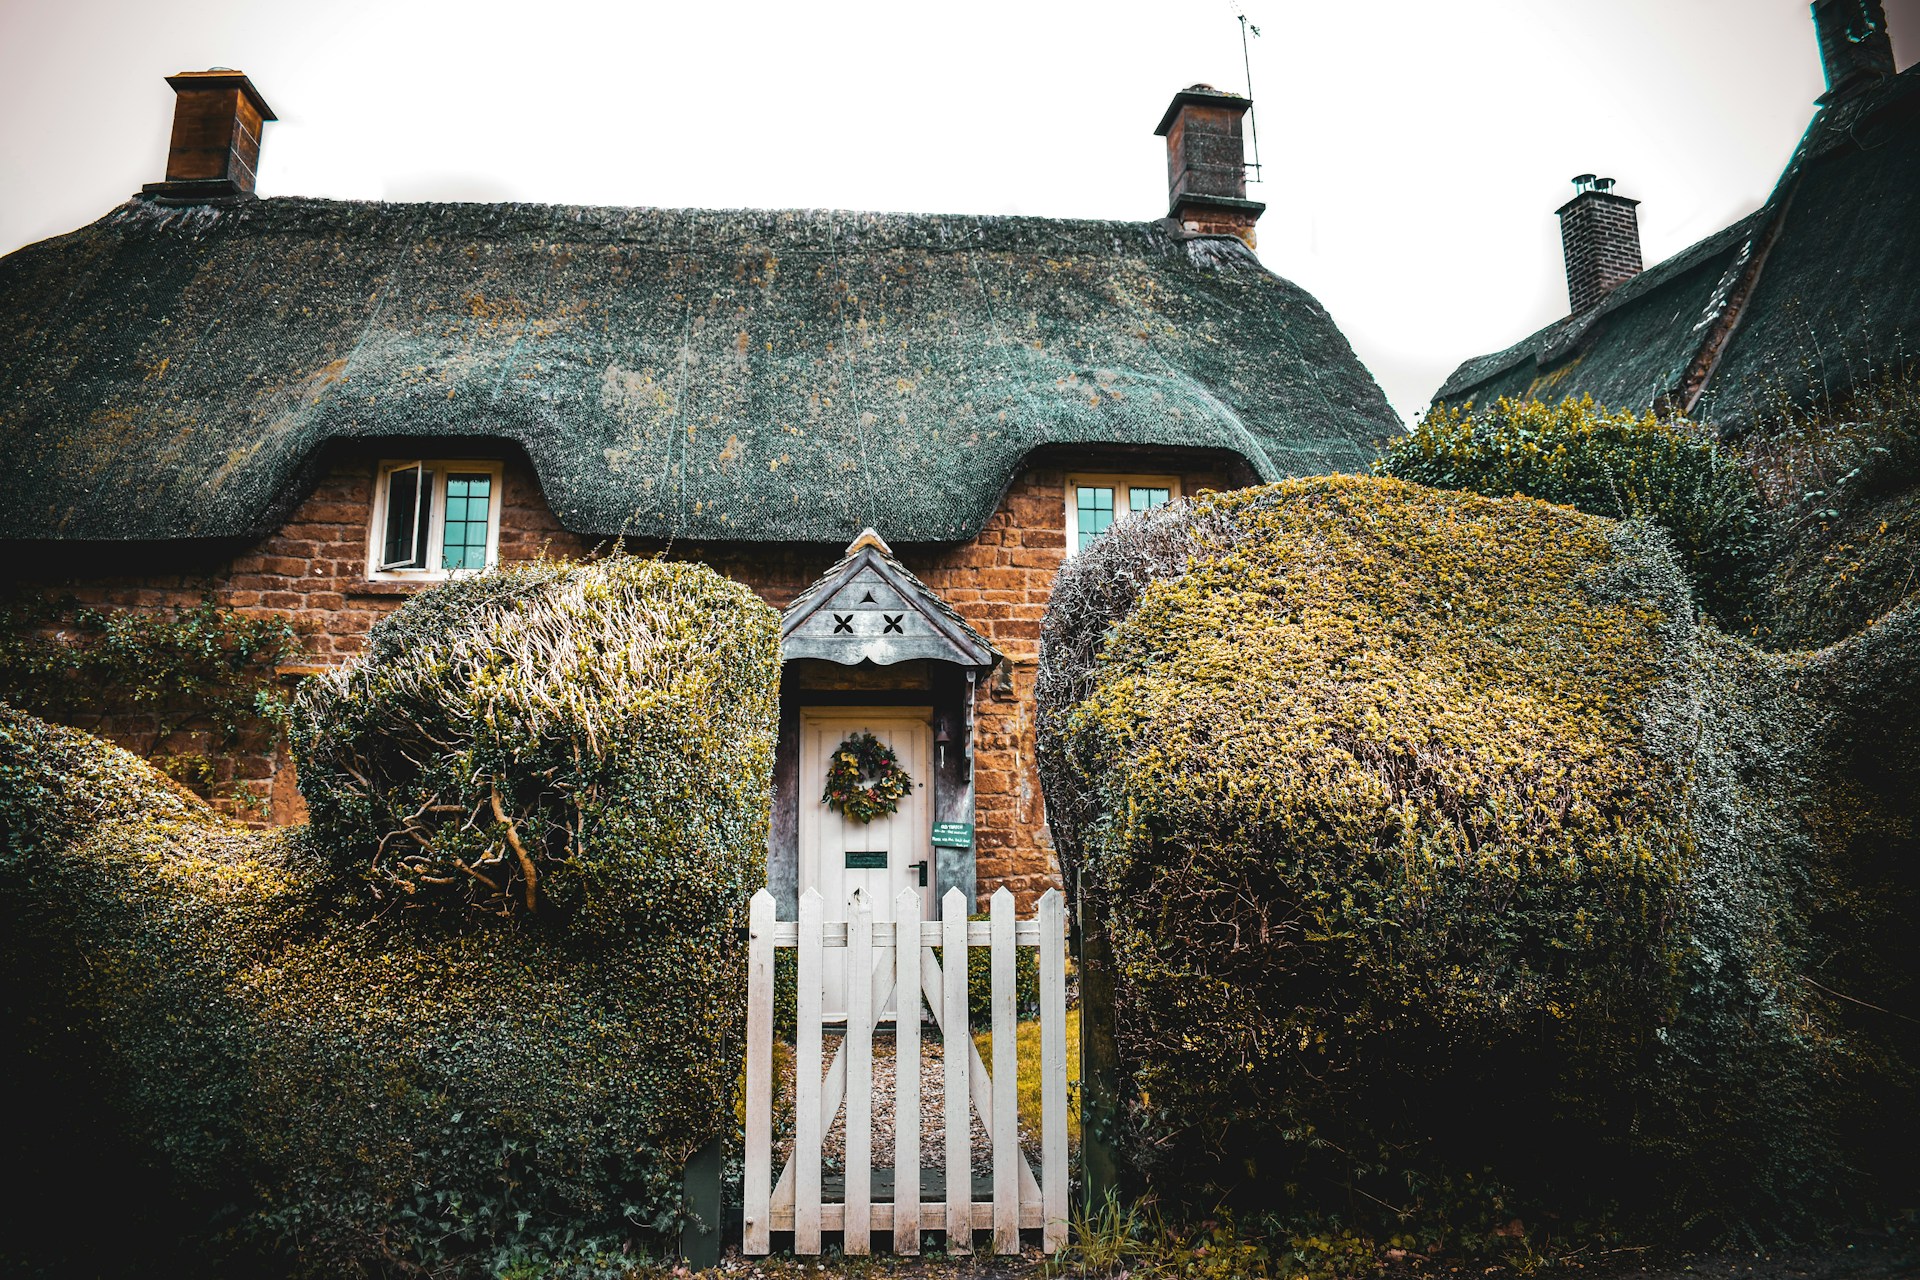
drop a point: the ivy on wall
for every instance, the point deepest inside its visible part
(192, 667)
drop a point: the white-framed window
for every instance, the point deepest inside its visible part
(432, 518)
(1095, 502)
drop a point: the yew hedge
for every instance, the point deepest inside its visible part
(1437, 846)
(246, 1050)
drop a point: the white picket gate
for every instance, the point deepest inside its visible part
(913, 974)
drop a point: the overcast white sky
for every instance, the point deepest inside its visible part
(1414, 150)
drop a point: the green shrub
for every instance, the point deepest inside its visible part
(269, 1060)
(1666, 470)
(1432, 841)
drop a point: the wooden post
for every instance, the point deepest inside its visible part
(757, 1235)
(906, 1073)
(806, 1118)
(956, 1056)
(1006, 1072)
(1053, 1069)
(1099, 1064)
(700, 1236)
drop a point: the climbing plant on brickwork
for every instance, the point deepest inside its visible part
(191, 666)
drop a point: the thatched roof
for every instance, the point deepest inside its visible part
(1799, 298)
(175, 372)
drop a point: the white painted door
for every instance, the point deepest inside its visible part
(880, 858)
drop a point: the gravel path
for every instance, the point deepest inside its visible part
(933, 1130)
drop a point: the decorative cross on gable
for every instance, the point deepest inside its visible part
(869, 608)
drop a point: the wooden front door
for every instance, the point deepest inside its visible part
(880, 858)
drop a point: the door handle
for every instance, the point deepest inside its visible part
(921, 867)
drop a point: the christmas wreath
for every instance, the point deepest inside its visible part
(865, 780)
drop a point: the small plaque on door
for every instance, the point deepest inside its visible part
(866, 861)
(953, 835)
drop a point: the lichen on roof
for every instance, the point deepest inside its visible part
(721, 375)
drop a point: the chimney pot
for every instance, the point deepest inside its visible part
(1855, 49)
(1601, 235)
(217, 119)
(1207, 163)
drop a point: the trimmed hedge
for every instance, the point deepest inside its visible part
(1435, 844)
(550, 739)
(281, 1068)
(1670, 471)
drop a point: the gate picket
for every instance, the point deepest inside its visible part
(1006, 1068)
(806, 1094)
(953, 1035)
(858, 1224)
(758, 1184)
(906, 1074)
(1053, 1069)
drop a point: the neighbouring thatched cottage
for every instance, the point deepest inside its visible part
(897, 425)
(1814, 291)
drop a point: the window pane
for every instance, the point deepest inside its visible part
(402, 487)
(409, 494)
(464, 540)
(1094, 509)
(1140, 498)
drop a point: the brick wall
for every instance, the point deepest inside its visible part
(313, 572)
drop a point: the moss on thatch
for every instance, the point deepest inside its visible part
(1432, 838)
(725, 375)
(267, 1061)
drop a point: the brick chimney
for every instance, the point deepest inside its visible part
(1601, 235)
(1207, 163)
(1855, 49)
(217, 116)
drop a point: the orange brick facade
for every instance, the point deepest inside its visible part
(313, 571)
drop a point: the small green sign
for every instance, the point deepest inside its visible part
(866, 861)
(953, 835)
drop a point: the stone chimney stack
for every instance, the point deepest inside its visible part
(217, 117)
(1207, 163)
(1855, 49)
(1601, 235)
